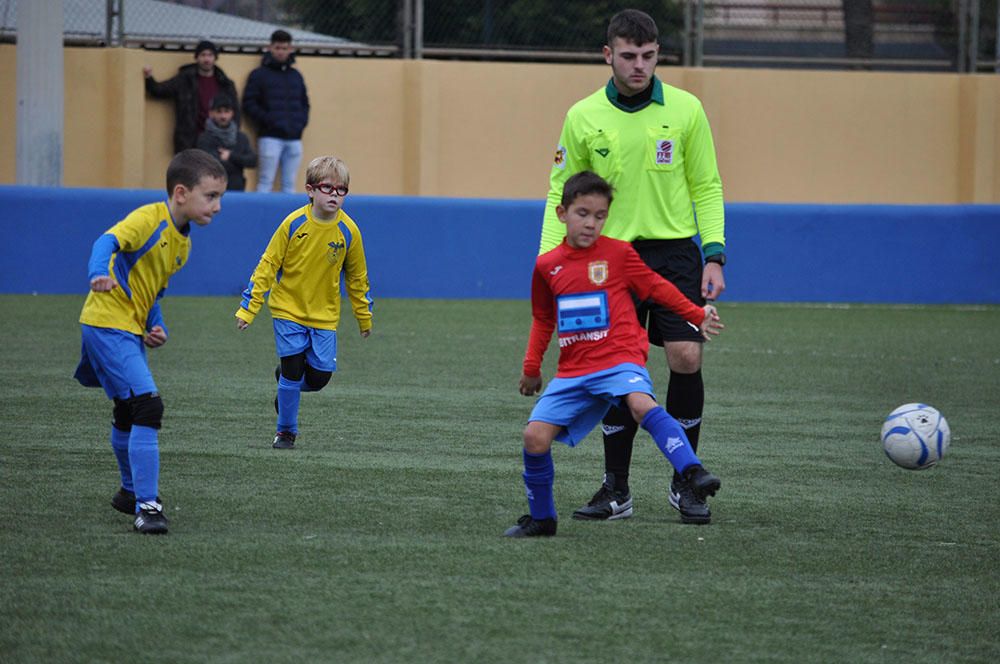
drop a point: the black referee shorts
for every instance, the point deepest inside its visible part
(678, 261)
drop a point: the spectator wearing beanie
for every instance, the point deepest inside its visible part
(192, 90)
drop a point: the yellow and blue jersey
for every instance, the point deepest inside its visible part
(141, 252)
(302, 268)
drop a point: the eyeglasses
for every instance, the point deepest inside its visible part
(330, 189)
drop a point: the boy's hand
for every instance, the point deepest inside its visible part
(155, 337)
(224, 154)
(241, 324)
(103, 284)
(147, 71)
(366, 333)
(530, 385)
(712, 324)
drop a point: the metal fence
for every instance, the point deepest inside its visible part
(942, 35)
(919, 34)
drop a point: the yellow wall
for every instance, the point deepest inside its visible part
(439, 128)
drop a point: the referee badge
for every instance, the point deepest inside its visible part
(664, 152)
(559, 161)
(597, 272)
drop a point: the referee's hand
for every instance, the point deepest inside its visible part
(713, 283)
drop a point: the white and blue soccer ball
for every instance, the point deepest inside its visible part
(915, 436)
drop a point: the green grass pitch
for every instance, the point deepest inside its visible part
(379, 538)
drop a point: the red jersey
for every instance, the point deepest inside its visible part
(586, 294)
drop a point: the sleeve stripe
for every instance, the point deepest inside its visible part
(126, 260)
(295, 225)
(347, 235)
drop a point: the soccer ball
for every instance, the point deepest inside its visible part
(915, 436)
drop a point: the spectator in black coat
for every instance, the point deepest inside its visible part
(192, 90)
(275, 99)
(223, 140)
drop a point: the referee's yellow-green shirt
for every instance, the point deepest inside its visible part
(660, 159)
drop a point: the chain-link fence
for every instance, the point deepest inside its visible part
(953, 35)
(918, 34)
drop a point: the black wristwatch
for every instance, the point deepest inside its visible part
(716, 258)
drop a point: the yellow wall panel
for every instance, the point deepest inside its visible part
(473, 129)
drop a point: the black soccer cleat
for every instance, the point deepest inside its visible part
(692, 508)
(702, 482)
(150, 520)
(284, 440)
(606, 505)
(124, 501)
(528, 527)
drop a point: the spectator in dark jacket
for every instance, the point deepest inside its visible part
(275, 99)
(223, 140)
(192, 90)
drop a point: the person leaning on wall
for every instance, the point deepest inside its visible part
(192, 89)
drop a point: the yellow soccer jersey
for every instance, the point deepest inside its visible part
(150, 250)
(302, 266)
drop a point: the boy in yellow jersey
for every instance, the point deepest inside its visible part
(302, 268)
(129, 268)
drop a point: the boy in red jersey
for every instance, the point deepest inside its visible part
(583, 289)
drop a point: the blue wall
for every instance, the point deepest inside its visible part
(464, 248)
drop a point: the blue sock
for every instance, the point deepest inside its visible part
(144, 457)
(289, 394)
(119, 443)
(669, 436)
(538, 475)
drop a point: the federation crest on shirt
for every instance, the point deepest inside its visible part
(332, 252)
(597, 272)
(664, 152)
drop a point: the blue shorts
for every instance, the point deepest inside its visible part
(115, 360)
(578, 404)
(320, 346)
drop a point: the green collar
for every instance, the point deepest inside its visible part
(612, 93)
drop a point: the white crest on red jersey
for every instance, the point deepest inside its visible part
(597, 272)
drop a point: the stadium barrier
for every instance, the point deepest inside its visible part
(471, 248)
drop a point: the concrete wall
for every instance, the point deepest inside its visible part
(467, 129)
(466, 248)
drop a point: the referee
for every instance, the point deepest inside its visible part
(653, 143)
